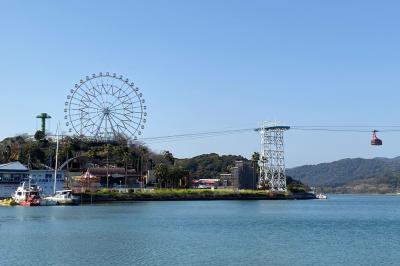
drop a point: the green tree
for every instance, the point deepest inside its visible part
(39, 135)
(161, 172)
(255, 157)
(169, 157)
(178, 177)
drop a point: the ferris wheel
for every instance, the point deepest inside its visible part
(105, 106)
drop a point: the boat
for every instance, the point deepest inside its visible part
(8, 202)
(321, 196)
(64, 197)
(27, 195)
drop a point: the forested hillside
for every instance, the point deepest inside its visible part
(378, 175)
(209, 165)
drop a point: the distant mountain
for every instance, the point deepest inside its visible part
(378, 175)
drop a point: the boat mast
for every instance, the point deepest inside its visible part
(56, 165)
(29, 176)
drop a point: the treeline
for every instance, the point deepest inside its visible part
(77, 154)
(209, 165)
(39, 152)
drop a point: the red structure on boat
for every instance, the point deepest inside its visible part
(32, 200)
(375, 140)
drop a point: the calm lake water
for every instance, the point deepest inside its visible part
(344, 230)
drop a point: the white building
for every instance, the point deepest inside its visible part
(12, 174)
(45, 180)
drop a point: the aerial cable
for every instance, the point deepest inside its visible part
(316, 128)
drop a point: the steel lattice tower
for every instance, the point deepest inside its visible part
(272, 157)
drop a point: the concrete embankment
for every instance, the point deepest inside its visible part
(190, 195)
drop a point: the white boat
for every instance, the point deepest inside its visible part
(47, 202)
(63, 197)
(321, 196)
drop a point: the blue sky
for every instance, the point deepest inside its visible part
(211, 65)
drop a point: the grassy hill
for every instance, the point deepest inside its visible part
(378, 175)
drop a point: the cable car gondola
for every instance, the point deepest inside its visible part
(375, 140)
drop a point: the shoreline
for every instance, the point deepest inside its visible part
(188, 195)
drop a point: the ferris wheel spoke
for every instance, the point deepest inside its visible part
(125, 102)
(120, 99)
(126, 94)
(129, 121)
(124, 114)
(97, 119)
(100, 104)
(114, 102)
(106, 88)
(86, 127)
(121, 89)
(140, 101)
(127, 128)
(101, 91)
(112, 85)
(122, 117)
(138, 119)
(102, 100)
(112, 126)
(130, 118)
(127, 116)
(92, 87)
(115, 122)
(123, 110)
(123, 93)
(89, 122)
(90, 128)
(99, 127)
(84, 100)
(86, 110)
(80, 114)
(82, 97)
(95, 99)
(83, 120)
(82, 104)
(89, 91)
(132, 133)
(76, 119)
